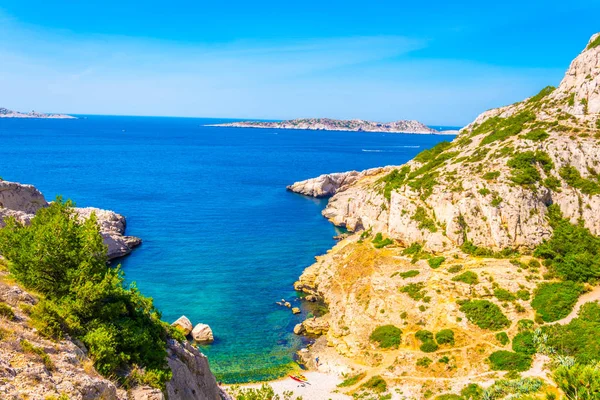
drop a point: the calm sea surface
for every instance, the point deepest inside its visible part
(223, 240)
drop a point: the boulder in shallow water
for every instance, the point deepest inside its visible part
(203, 334)
(184, 324)
(299, 329)
(296, 310)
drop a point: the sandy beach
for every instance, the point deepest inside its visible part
(322, 387)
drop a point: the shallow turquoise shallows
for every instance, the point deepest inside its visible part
(223, 240)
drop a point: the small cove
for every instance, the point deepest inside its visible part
(223, 240)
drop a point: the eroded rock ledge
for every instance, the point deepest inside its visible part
(23, 201)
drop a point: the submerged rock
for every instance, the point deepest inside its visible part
(202, 333)
(184, 324)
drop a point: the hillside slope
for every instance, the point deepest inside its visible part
(442, 274)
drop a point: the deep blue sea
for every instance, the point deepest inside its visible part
(223, 240)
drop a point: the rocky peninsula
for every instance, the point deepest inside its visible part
(23, 201)
(354, 125)
(454, 281)
(6, 113)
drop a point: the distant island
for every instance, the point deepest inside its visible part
(327, 124)
(6, 113)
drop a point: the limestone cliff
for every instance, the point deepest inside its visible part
(490, 186)
(411, 262)
(37, 368)
(22, 202)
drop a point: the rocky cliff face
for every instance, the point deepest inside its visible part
(36, 368)
(22, 202)
(406, 266)
(491, 185)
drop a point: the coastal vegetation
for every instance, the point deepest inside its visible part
(64, 261)
(387, 336)
(484, 314)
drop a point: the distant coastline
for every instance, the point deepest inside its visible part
(6, 113)
(355, 125)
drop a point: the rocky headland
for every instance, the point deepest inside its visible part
(327, 124)
(35, 367)
(6, 113)
(455, 253)
(23, 201)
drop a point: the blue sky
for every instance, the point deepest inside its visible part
(440, 62)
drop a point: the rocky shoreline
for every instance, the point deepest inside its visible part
(6, 113)
(355, 125)
(459, 222)
(23, 201)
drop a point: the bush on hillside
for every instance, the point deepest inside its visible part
(554, 301)
(65, 260)
(503, 360)
(572, 252)
(445, 336)
(523, 343)
(484, 314)
(387, 336)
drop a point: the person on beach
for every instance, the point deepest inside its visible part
(317, 361)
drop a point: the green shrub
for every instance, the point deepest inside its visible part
(490, 176)
(377, 384)
(414, 290)
(472, 392)
(525, 325)
(424, 362)
(503, 295)
(503, 360)
(424, 335)
(543, 93)
(468, 277)
(455, 268)
(484, 314)
(6, 311)
(578, 382)
(573, 253)
(572, 176)
(394, 180)
(431, 154)
(445, 336)
(502, 337)
(554, 301)
(523, 294)
(503, 128)
(524, 166)
(429, 346)
(579, 338)
(436, 262)
(593, 44)
(444, 360)
(423, 219)
(523, 343)
(379, 242)
(65, 261)
(537, 135)
(484, 191)
(469, 248)
(387, 336)
(449, 396)
(353, 380)
(409, 274)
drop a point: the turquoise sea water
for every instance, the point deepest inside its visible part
(223, 240)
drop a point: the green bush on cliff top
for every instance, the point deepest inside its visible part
(554, 301)
(65, 260)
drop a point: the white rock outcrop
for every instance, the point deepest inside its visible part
(23, 201)
(202, 333)
(184, 324)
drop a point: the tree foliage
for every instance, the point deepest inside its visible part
(64, 259)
